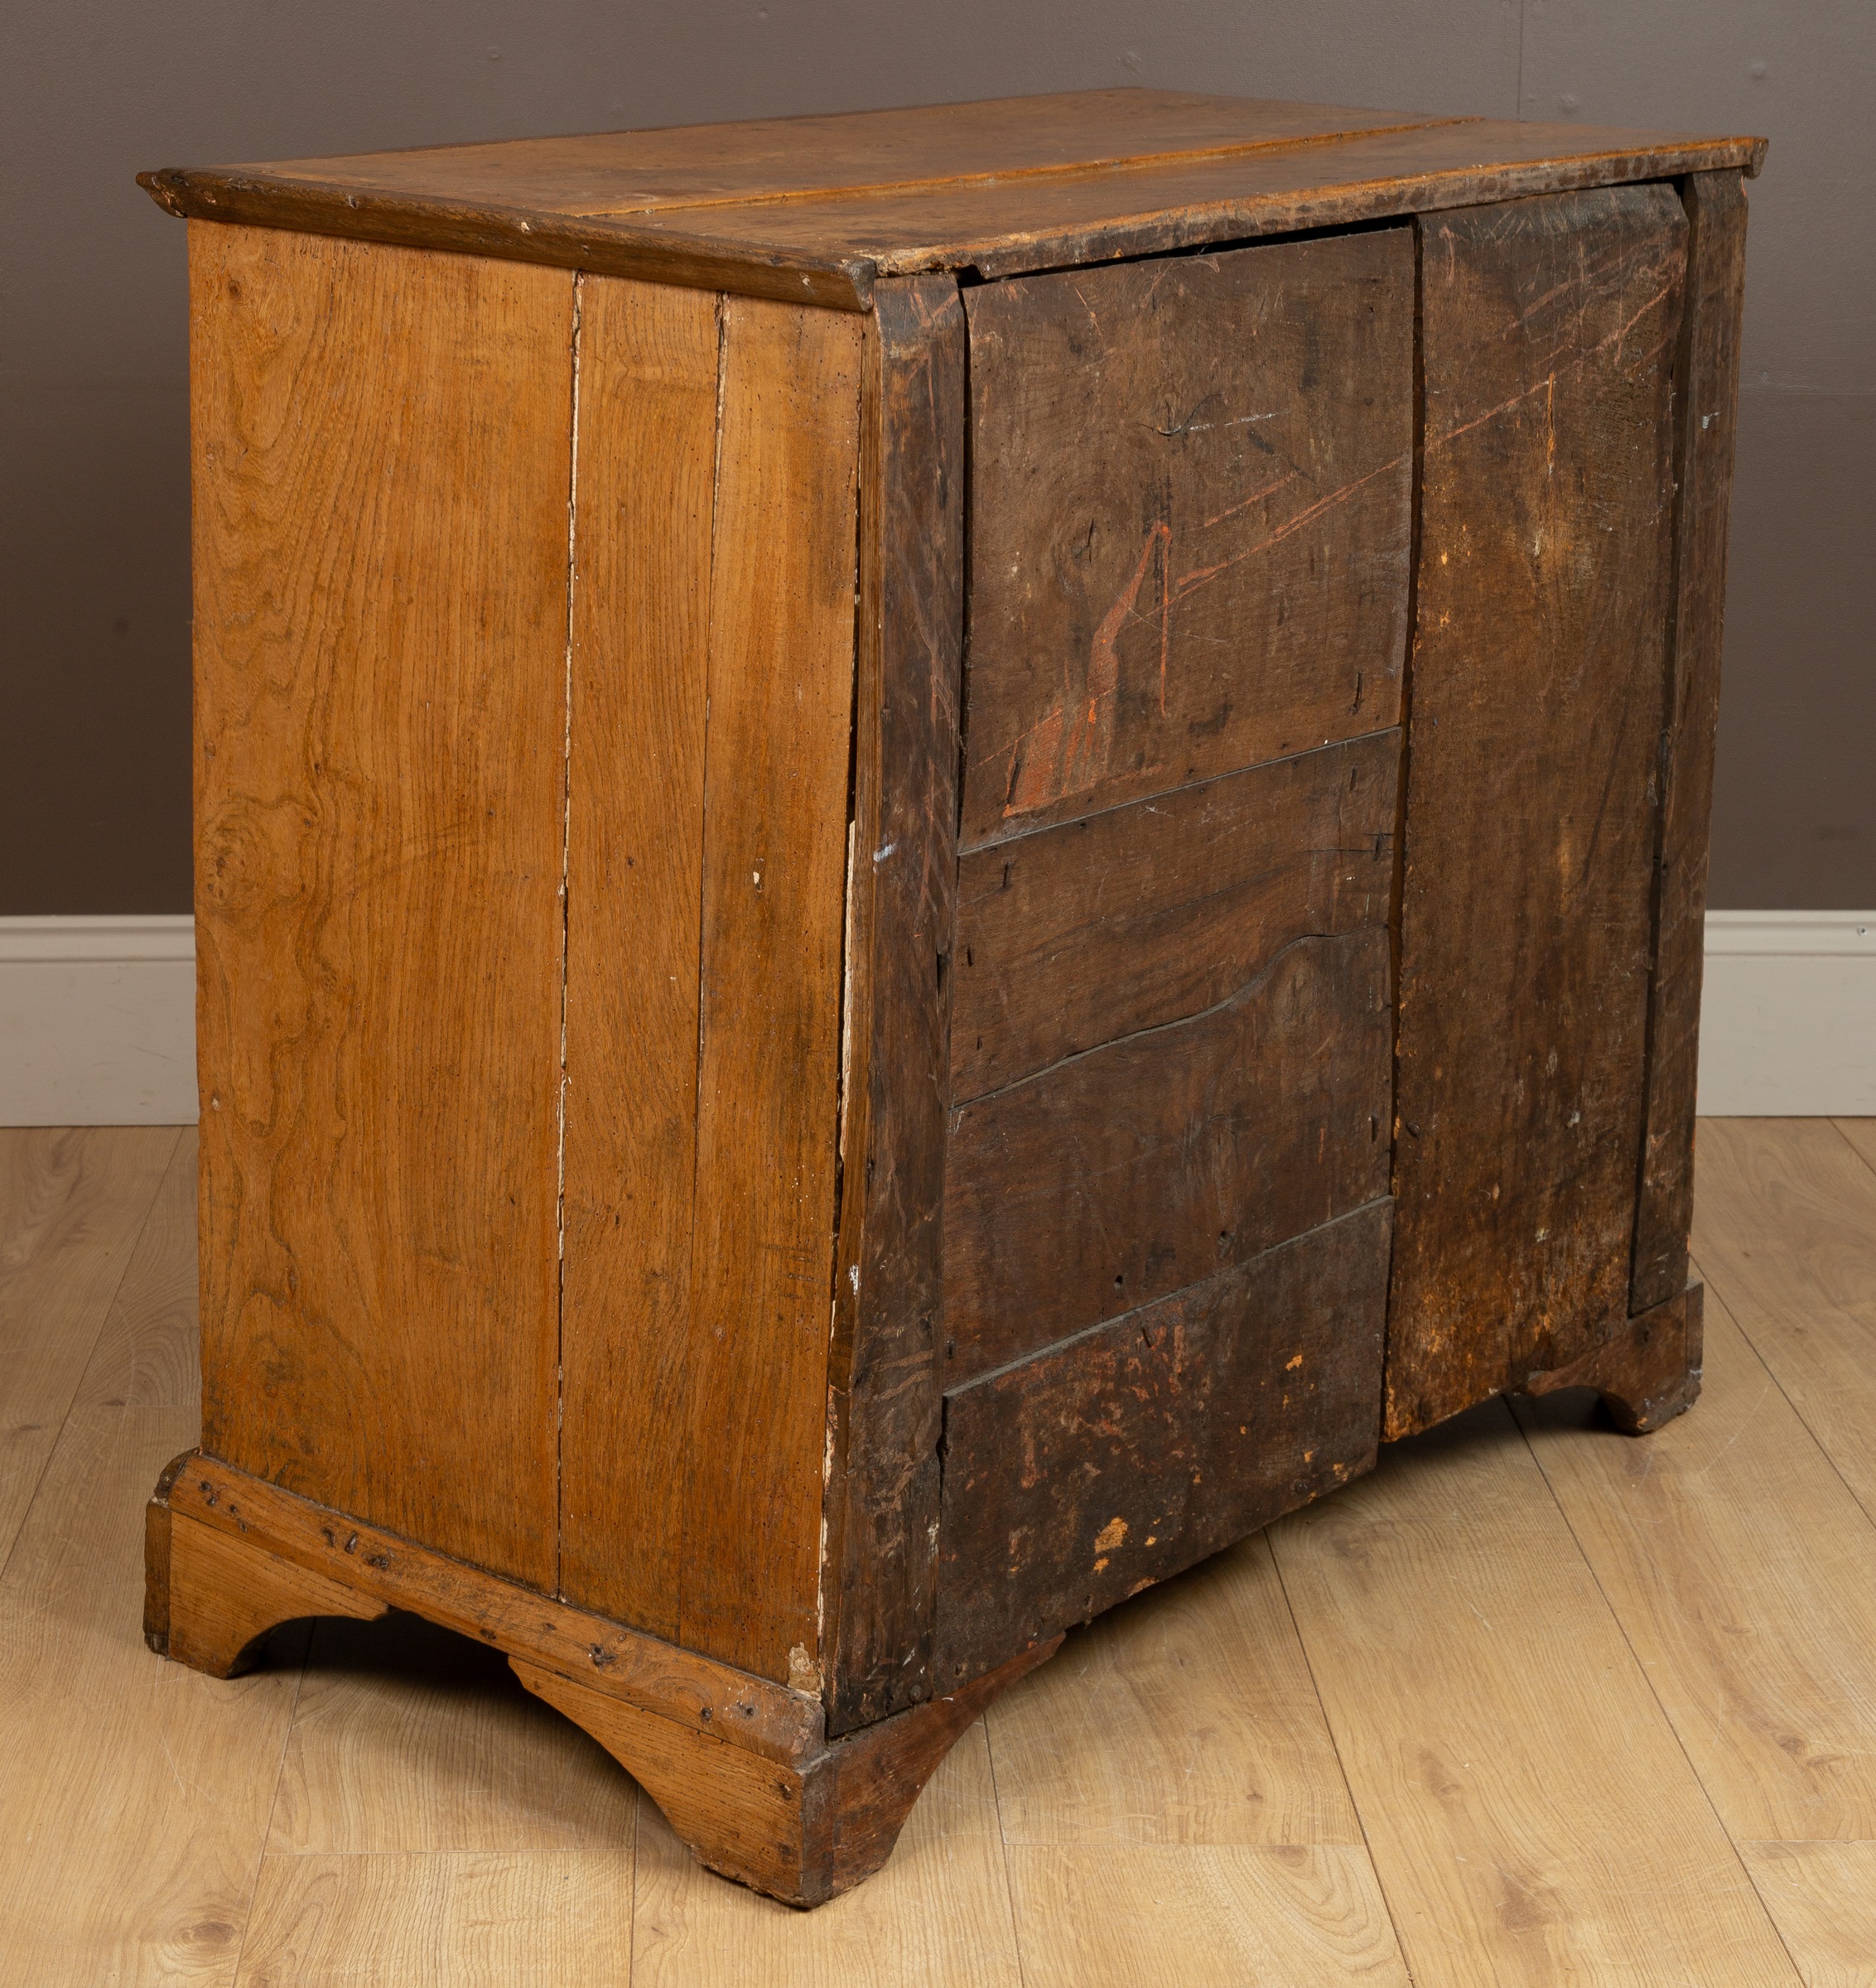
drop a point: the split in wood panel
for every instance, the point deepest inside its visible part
(646, 460)
(1148, 913)
(1122, 1176)
(1190, 527)
(382, 455)
(775, 847)
(1550, 329)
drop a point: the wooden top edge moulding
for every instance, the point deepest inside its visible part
(813, 209)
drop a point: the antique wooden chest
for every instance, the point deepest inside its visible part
(935, 851)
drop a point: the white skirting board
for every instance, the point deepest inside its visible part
(98, 1015)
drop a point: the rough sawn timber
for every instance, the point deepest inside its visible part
(883, 1380)
(1081, 1475)
(1191, 520)
(1703, 430)
(1550, 330)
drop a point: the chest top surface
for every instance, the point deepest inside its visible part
(816, 209)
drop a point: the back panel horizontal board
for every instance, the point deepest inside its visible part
(1079, 934)
(382, 456)
(1190, 527)
(1157, 1160)
(1075, 1479)
(1550, 331)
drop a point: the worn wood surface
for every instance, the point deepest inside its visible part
(1190, 529)
(221, 1595)
(1075, 1478)
(803, 1831)
(1647, 1372)
(1146, 1165)
(1550, 332)
(813, 209)
(882, 1499)
(380, 563)
(775, 848)
(677, 1684)
(1704, 411)
(1143, 915)
(647, 461)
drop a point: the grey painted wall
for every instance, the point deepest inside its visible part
(93, 599)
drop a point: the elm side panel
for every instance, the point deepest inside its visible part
(1550, 328)
(1704, 424)
(381, 457)
(647, 453)
(883, 1379)
(1190, 520)
(1076, 1477)
(776, 842)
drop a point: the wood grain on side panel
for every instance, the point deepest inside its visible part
(380, 467)
(1550, 328)
(647, 451)
(1709, 370)
(1149, 1164)
(781, 649)
(1075, 935)
(1077, 1478)
(883, 1379)
(1190, 527)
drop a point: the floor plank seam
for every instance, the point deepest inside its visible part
(1003, 1848)
(1798, 1975)
(1341, 1765)
(1817, 1441)
(91, 1353)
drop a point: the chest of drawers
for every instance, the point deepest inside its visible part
(935, 851)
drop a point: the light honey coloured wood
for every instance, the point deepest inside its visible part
(856, 824)
(380, 663)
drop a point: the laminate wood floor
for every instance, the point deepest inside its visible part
(1534, 1703)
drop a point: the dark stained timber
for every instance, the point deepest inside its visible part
(1146, 1165)
(1075, 1479)
(1550, 328)
(1716, 268)
(883, 1380)
(1075, 935)
(1191, 525)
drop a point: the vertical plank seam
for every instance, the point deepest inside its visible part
(1683, 442)
(1862, 1157)
(1328, 1724)
(703, 919)
(565, 860)
(1798, 1975)
(273, 1803)
(1397, 910)
(104, 1310)
(1003, 1847)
